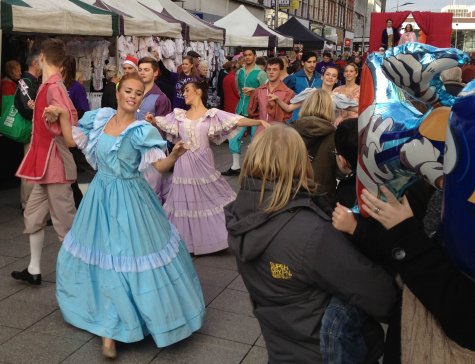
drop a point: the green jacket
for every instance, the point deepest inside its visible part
(255, 78)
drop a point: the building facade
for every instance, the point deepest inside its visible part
(333, 19)
(212, 10)
(463, 26)
(344, 22)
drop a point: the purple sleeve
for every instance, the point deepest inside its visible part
(163, 105)
(78, 96)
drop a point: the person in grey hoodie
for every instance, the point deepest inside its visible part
(315, 126)
(291, 259)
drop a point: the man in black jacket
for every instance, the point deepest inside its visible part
(25, 103)
(390, 36)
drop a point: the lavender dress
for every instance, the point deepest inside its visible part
(198, 192)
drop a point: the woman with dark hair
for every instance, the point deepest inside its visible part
(408, 36)
(76, 91)
(199, 192)
(188, 73)
(348, 94)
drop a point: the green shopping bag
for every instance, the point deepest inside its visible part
(12, 124)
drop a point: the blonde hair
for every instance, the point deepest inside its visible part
(285, 60)
(355, 67)
(278, 156)
(319, 103)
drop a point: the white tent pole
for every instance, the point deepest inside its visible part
(276, 24)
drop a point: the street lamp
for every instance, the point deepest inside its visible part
(397, 6)
(456, 33)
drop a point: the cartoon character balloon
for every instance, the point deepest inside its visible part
(458, 217)
(397, 143)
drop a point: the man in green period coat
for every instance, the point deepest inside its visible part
(248, 78)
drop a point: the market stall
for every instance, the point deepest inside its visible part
(119, 28)
(53, 17)
(302, 35)
(136, 19)
(244, 29)
(198, 30)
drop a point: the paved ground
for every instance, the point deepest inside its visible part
(32, 329)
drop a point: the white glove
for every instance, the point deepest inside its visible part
(420, 156)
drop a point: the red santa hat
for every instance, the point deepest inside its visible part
(134, 62)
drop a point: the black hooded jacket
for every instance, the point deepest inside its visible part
(292, 262)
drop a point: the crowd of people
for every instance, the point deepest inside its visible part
(320, 278)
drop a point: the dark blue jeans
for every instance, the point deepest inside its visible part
(341, 334)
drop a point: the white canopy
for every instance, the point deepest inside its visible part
(57, 17)
(138, 20)
(244, 29)
(198, 30)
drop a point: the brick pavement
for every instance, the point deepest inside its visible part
(33, 331)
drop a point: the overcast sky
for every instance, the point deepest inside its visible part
(424, 5)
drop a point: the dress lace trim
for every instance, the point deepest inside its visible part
(221, 127)
(125, 264)
(198, 213)
(170, 128)
(196, 181)
(150, 156)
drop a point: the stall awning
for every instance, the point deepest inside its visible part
(57, 17)
(136, 19)
(197, 30)
(244, 29)
(301, 34)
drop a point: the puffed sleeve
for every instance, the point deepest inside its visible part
(169, 124)
(223, 125)
(150, 143)
(87, 132)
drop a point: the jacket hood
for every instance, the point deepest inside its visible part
(313, 126)
(250, 230)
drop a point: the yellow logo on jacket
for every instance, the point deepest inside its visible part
(280, 271)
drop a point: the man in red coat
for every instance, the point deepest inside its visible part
(231, 93)
(48, 164)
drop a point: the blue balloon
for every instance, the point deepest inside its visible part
(458, 217)
(397, 143)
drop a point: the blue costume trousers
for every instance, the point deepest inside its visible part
(235, 143)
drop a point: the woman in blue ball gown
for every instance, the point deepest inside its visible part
(123, 271)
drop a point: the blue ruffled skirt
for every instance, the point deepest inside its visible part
(123, 271)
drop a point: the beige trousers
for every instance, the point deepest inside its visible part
(57, 200)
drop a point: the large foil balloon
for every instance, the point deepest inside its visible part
(397, 143)
(458, 217)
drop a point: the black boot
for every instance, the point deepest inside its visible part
(231, 172)
(26, 276)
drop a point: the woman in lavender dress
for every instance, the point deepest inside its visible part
(199, 192)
